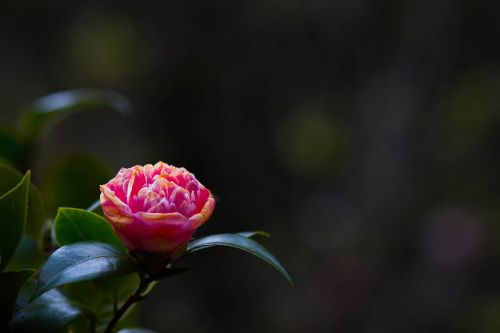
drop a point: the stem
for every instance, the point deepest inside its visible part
(134, 298)
(115, 302)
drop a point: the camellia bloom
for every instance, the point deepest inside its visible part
(156, 209)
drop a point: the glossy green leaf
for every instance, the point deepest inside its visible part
(49, 313)
(12, 148)
(73, 225)
(25, 293)
(135, 330)
(13, 213)
(239, 242)
(56, 106)
(82, 262)
(9, 177)
(250, 234)
(10, 284)
(74, 182)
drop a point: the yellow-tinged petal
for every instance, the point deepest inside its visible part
(168, 218)
(200, 218)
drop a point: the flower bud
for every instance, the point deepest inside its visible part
(156, 209)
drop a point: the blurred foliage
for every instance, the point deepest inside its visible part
(27, 255)
(107, 50)
(13, 209)
(469, 112)
(11, 147)
(22, 211)
(10, 284)
(9, 177)
(312, 142)
(74, 182)
(60, 105)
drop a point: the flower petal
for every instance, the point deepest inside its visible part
(163, 218)
(198, 219)
(108, 194)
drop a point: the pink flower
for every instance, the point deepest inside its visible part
(156, 209)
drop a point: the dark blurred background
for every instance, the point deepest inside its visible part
(363, 135)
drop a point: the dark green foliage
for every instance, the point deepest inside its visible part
(27, 256)
(74, 182)
(49, 313)
(9, 178)
(10, 284)
(82, 262)
(12, 147)
(73, 225)
(13, 212)
(239, 242)
(135, 330)
(61, 104)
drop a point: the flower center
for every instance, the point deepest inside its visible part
(164, 195)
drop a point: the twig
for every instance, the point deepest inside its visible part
(134, 298)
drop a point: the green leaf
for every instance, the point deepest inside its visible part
(49, 313)
(10, 284)
(36, 213)
(9, 177)
(250, 234)
(13, 212)
(74, 182)
(82, 262)
(81, 325)
(61, 104)
(238, 242)
(25, 293)
(27, 255)
(73, 225)
(135, 330)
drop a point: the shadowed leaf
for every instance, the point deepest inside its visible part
(82, 262)
(74, 182)
(10, 284)
(49, 313)
(250, 234)
(239, 242)
(9, 178)
(12, 147)
(13, 212)
(27, 256)
(58, 105)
